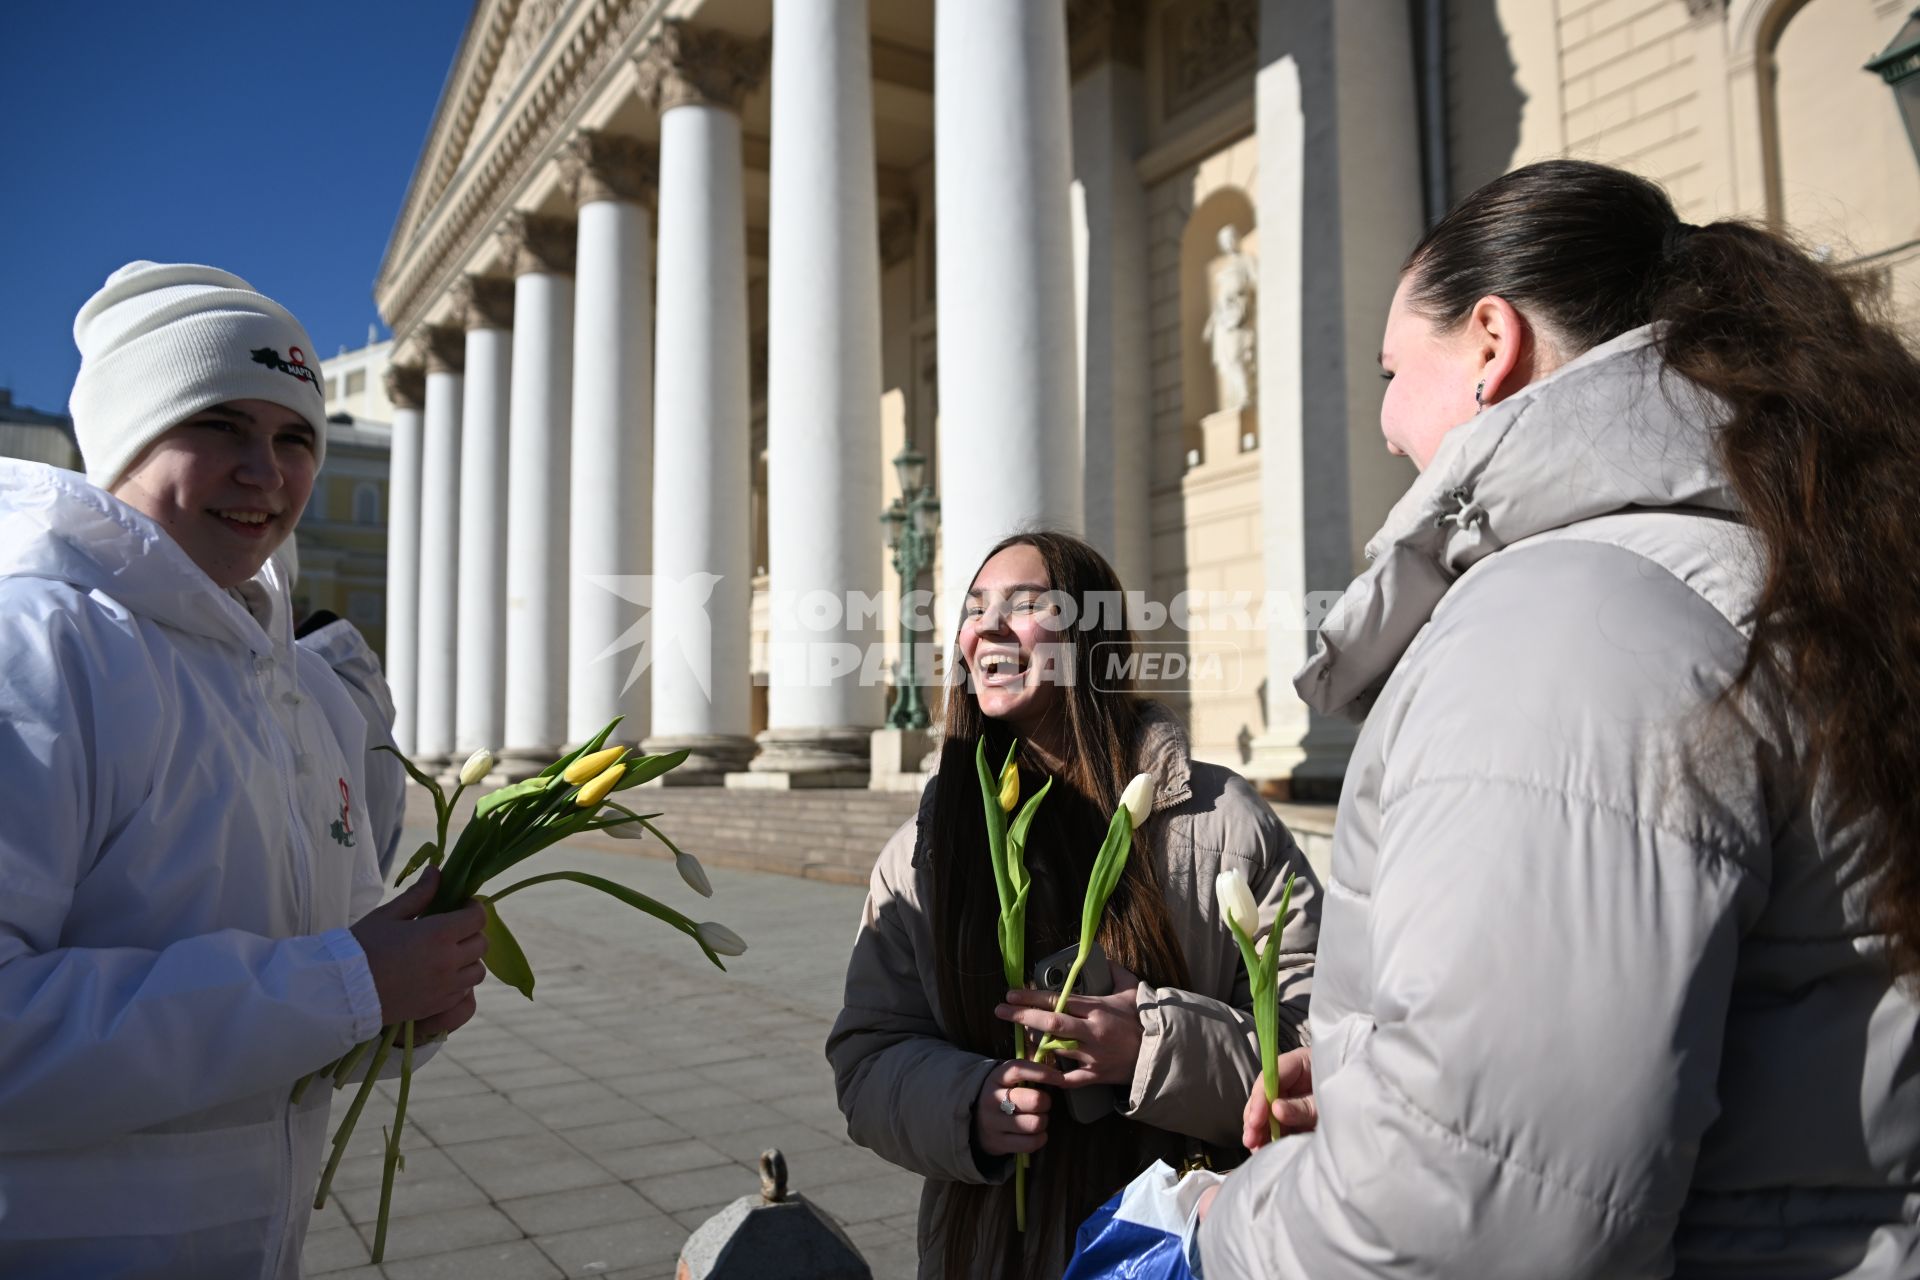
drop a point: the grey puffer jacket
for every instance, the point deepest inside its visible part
(908, 1092)
(1597, 994)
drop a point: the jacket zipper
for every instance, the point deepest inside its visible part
(288, 753)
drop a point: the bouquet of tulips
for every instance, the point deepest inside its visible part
(1242, 915)
(567, 798)
(1007, 847)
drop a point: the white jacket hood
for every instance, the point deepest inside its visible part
(56, 524)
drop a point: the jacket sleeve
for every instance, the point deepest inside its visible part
(1200, 1054)
(907, 1091)
(1555, 916)
(346, 651)
(99, 1041)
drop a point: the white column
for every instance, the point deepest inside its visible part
(823, 400)
(406, 389)
(1009, 410)
(611, 495)
(1109, 133)
(540, 418)
(1340, 207)
(486, 308)
(439, 548)
(701, 475)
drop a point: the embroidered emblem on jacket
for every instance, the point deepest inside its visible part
(342, 828)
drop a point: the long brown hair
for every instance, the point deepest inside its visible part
(1081, 1165)
(1821, 443)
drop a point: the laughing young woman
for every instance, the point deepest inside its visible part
(916, 1050)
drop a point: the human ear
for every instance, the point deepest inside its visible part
(1500, 339)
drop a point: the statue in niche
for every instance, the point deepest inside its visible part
(1229, 330)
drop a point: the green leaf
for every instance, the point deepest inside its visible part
(590, 746)
(996, 825)
(413, 771)
(504, 959)
(632, 897)
(1017, 837)
(509, 793)
(647, 768)
(421, 857)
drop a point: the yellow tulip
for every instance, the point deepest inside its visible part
(1010, 787)
(596, 791)
(591, 766)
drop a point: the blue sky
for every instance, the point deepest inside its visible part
(273, 140)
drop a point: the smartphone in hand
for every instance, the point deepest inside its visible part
(1090, 1102)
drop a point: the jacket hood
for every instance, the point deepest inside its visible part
(55, 524)
(1607, 432)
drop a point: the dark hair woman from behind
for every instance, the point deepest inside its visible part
(918, 1051)
(1631, 989)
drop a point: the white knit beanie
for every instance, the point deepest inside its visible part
(162, 341)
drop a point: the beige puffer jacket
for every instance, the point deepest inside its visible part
(1601, 995)
(908, 1093)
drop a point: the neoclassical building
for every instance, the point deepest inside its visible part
(675, 281)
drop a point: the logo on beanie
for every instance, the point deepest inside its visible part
(295, 363)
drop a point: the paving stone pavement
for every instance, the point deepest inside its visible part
(589, 1131)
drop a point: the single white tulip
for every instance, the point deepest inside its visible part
(1137, 799)
(1236, 900)
(694, 874)
(721, 939)
(625, 831)
(478, 766)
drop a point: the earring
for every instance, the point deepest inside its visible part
(1479, 395)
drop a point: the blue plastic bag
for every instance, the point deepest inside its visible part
(1145, 1232)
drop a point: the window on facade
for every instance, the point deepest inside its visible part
(366, 504)
(356, 382)
(333, 388)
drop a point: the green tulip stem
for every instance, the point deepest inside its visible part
(392, 1162)
(345, 1133)
(348, 1061)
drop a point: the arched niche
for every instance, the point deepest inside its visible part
(1200, 260)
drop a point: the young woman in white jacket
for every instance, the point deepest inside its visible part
(1617, 974)
(189, 894)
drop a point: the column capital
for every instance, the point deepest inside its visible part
(538, 243)
(483, 302)
(1105, 31)
(691, 66)
(446, 348)
(407, 386)
(609, 166)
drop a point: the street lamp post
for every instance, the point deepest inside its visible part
(1899, 66)
(910, 522)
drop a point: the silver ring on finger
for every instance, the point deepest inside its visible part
(1006, 1104)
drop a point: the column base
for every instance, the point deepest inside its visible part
(899, 757)
(713, 756)
(791, 759)
(521, 763)
(1308, 768)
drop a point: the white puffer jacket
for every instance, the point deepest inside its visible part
(185, 833)
(1597, 992)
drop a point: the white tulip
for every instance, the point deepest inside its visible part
(478, 766)
(1236, 901)
(694, 874)
(1137, 799)
(721, 939)
(627, 828)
